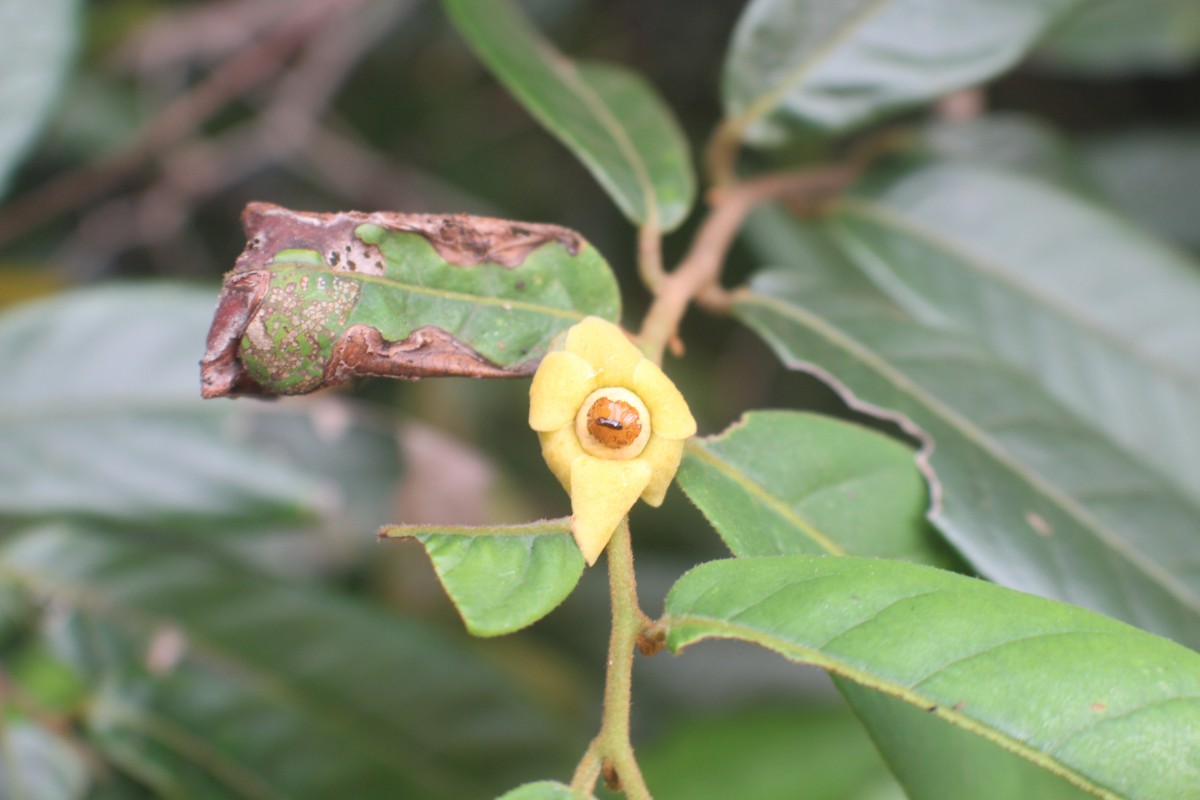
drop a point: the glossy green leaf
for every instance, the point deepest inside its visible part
(828, 487)
(38, 764)
(764, 754)
(1103, 316)
(1111, 709)
(609, 117)
(1118, 37)
(100, 415)
(502, 578)
(1028, 494)
(811, 64)
(936, 760)
(212, 676)
(543, 790)
(37, 41)
(1152, 175)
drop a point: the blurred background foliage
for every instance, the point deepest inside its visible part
(192, 602)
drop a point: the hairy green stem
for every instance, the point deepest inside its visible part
(588, 771)
(612, 747)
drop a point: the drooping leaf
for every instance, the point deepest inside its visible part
(502, 578)
(102, 417)
(786, 483)
(214, 676)
(1028, 494)
(1105, 706)
(1119, 37)
(816, 65)
(36, 44)
(1103, 316)
(1153, 176)
(316, 299)
(936, 760)
(609, 117)
(764, 754)
(38, 764)
(543, 790)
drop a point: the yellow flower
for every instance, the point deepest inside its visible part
(612, 427)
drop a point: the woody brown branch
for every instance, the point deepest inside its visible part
(698, 274)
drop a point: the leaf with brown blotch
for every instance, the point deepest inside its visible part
(316, 299)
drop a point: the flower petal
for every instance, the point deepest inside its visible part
(669, 413)
(560, 448)
(602, 492)
(607, 349)
(559, 387)
(663, 456)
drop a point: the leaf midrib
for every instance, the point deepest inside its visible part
(759, 492)
(973, 434)
(887, 218)
(563, 69)
(765, 103)
(506, 304)
(722, 629)
(578, 84)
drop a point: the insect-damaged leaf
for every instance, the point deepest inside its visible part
(316, 299)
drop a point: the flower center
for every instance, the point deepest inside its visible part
(613, 423)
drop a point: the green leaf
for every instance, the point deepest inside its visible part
(502, 578)
(1106, 318)
(100, 415)
(609, 117)
(316, 299)
(37, 764)
(815, 65)
(936, 760)
(1153, 176)
(211, 675)
(37, 41)
(543, 790)
(1030, 496)
(1111, 709)
(829, 487)
(1118, 37)
(764, 754)
(42, 677)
